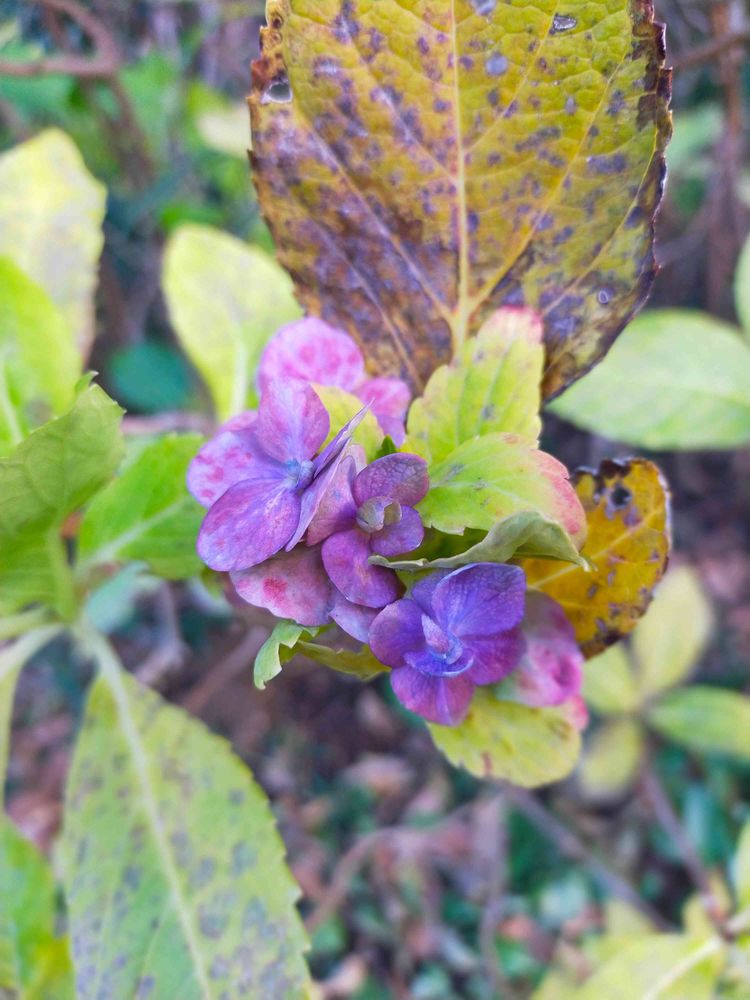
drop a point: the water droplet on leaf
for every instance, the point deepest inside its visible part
(604, 296)
(562, 22)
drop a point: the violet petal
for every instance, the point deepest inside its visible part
(423, 590)
(292, 421)
(428, 663)
(290, 585)
(480, 599)
(400, 477)
(396, 631)
(444, 700)
(346, 559)
(248, 524)
(336, 510)
(311, 351)
(229, 457)
(313, 496)
(354, 619)
(396, 539)
(494, 656)
(551, 669)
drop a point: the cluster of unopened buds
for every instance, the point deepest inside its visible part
(295, 515)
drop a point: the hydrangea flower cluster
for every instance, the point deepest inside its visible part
(295, 515)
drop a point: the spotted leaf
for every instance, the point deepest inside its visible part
(423, 162)
(627, 509)
(174, 871)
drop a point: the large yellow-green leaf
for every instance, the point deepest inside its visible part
(34, 961)
(174, 871)
(493, 384)
(627, 508)
(706, 719)
(611, 759)
(609, 685)
(51, 214)
(675, 379)
(509, 741)
(39, 364)
(670, 639)
(225, 299)
(422, 162)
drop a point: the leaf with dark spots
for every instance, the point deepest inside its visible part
(174, 871)
(628, 514)
(441, 158)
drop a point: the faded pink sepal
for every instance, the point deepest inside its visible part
(550, 671)
(224, 460)
(290, 585)
(389, 399)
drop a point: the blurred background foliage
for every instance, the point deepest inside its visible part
(419, 881)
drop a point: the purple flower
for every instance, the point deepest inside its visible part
(312, 351)
(456, 630)
(365, 512)
(263, 476)
(550, 671)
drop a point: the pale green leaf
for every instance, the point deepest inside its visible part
(660, 967)
(611, 759)
(609, 682)
(705, 719)
(359, 663)
(487, 479)
(34, 570)
(225, 299)
(147, 514)
(742, 288)
(342, 406)
(277, 650)
(39, 364)
(669, 641)
(509, 741)
(225, 126)
(524, 534)
(34, 962)
(49, 201)
(742, 868)
(174, 871)
(493, 385)
(674, 379)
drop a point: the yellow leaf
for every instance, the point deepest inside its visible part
(611, 760)
(423, 162)
(627, 508)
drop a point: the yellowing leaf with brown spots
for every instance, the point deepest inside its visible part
(423, 162)
(627, 509)
(174, 870)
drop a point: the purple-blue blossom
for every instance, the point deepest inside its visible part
(456, 630)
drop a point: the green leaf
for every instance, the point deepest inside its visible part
(493, 385)
(612, 759)
(359, 663)
(34, 962)
(524, 534)
(39, 365)
(47, 197)
(147, 514)
(742, 868)
(422, 164)
(671, 637)
(342, 406)
(174, 871)
(609, 685)
(509, 741)
(59, 466)
(705, 719)
(225, 299)
(660, 967)
(35, 570)
(674, 380)
(489, 478)
(742, 288)
(277, 650)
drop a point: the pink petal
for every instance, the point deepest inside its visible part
(336, 509)
(399, 477)
(354, 619)
(396, 539)
(389, 400)
(290, 585)
(577, 713)
(444, 700)
(228, 458)
(346, 559)
(551, 669)
(396, 631)
(311, 351)
(292, 421)
(248, 524)
(479, 600)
